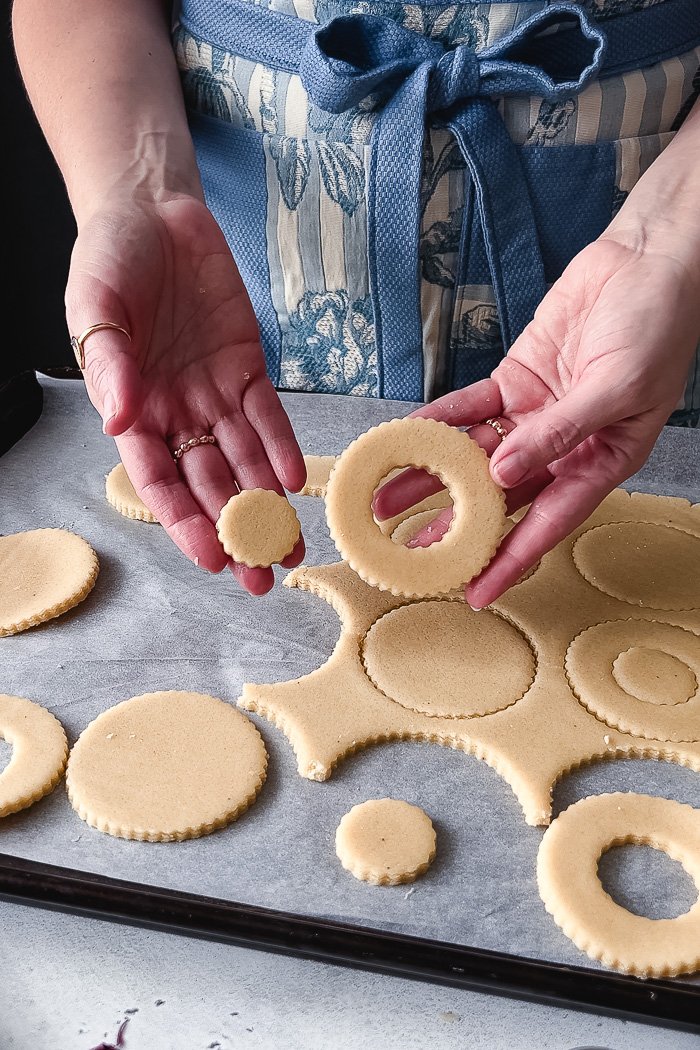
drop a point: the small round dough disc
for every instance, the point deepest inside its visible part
(39, 753)
(386, 842)
(444, 659)
(653, 566)
(603, 665)
(43, 573)
(478, 522)
(567, 878)
(258, 527)
(123, 497)
(166, 766)
(654, 676)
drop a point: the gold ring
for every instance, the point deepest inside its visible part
(498, 427)
(186, 446)
(76, 341)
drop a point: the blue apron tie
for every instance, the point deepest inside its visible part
(354, 55)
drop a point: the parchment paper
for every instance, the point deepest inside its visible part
(154, 621)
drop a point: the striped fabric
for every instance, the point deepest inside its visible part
(315, 165)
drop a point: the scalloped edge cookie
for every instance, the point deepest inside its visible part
(39, 753)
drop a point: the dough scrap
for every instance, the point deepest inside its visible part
(386, 842)
(166, 766)
(466, 677)
(43, 573)
(567, 877)
(123, 496)
(590, 666)
(479, 517)
(336, 710)
(318, 469)
(258, 527)
(652, 565)
(39, 753)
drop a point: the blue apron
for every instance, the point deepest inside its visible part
(400, 183)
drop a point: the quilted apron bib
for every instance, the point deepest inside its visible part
(400, 183)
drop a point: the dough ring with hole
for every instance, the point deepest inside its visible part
(39, 753)
(123, 496)
(258, 527)
(606, 662)
(472, 679)
(477, 525)
(568, 881)
(166, 766)
(644, 563)
(43, 573)
(386, 842)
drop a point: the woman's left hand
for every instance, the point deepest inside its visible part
(583, 392)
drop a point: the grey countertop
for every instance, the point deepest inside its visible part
(68, 982)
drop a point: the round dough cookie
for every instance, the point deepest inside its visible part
(444, 659)
(386, 842)
(166, 766)
(258, 527)
(653, 566)
(479, 517)
(43, 573)
(567, 877)
(39, 753)
(605, 665)
(122, 495)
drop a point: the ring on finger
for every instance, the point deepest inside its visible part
(193, 442)
(496, 425)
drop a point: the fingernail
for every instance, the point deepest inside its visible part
(110, 409)
(509, 471)
(475, 608)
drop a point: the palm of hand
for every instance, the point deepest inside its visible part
(194, 366)
(587, 387)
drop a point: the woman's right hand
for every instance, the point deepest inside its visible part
(194, 365)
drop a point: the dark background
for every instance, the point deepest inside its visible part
(38, 232)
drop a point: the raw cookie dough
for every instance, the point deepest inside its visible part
(645, 564)
(258, 527)
(122, 495)
(43, 573)
(166, 766)
(336, 710)
(386, 842)
(598, 678)
(479, 507)
(567, 877)
(318, 470)
(39, 753)
(442, 658)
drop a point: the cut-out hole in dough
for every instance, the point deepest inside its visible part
(402, 656)
(5, 754)
(652, 566)
(646, 881)
(408, 523)
(654, 676)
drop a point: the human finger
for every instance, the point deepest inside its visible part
(151, 468)
(558, 509)
(556, 430)
(244, 452)
(112, 378)
(296, 557)
(265, 413)
(465, 407)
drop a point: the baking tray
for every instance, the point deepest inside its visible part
(271, 880)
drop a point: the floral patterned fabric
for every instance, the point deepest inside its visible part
(315, 187)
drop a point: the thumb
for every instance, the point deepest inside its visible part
(555, 431)
(112, 379)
